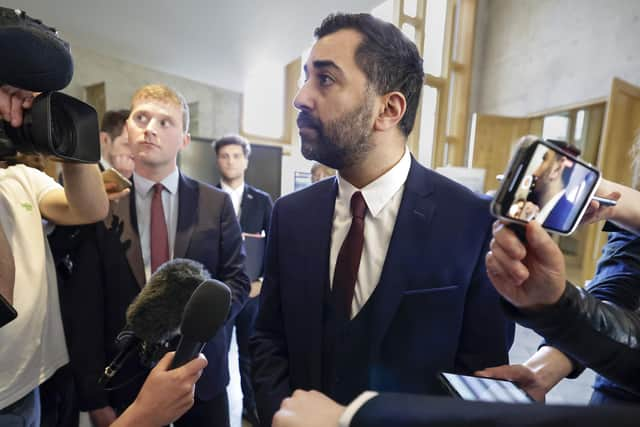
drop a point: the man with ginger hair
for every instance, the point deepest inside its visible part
(167, 215)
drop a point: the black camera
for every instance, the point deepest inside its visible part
(57, 125)
(35, 58)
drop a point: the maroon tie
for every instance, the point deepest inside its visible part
(159, 235)
(348, 262)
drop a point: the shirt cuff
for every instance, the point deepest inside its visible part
(347, 415)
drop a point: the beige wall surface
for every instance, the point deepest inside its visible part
(533, 55)
(219, 109)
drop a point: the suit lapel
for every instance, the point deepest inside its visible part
(123, 212)
(409, 234)
(319, 222)
(246, 207)
(187, 215)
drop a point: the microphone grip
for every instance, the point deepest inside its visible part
(187, 350)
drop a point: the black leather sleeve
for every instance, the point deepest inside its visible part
(597, 334)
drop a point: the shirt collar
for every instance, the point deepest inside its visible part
(380, 191)
(230, 190)
(143, 185)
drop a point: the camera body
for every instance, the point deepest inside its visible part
(35, 58)
(547, 183)
(57, 125)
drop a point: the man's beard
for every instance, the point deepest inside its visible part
(342, 142)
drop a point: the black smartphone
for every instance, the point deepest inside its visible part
(7, 312)
(545, 183)
(469, 387)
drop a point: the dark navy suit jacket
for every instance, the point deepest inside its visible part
(436, 310)
(110, 273)
(406, 410)
(255, 210)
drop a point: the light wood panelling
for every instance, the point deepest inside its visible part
(494, 139)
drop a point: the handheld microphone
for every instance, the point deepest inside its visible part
(154, 316)
(205, 312)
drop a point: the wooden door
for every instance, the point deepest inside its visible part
(621, 124)
(494, 139)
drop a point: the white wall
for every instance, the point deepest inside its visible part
(219, 109)
(534, 55)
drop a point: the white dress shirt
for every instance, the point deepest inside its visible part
(236, 196)
(144, 195)
(383, 197)
(546, 209)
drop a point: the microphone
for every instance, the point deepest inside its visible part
(205, 312)
(33, 56)
(154, 316)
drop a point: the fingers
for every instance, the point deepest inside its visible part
(507, 240)
(195, 367)
(12, 102)
(540, 242)
(165, 362)
(16, 110)
(516, 373)
(500, 263)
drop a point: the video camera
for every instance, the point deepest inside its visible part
(35, 58)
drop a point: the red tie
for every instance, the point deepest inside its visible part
(159, 235)
(348, 262)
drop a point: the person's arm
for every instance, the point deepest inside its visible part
(599, 335)
(539, 374)
(625, 213)
(165, 395)
(313, 409)
(83, 199)
(268, 345)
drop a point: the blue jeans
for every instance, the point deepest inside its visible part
(23, 413)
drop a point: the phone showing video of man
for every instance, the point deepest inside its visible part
(545, 183)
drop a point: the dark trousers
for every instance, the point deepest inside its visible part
(244, 323)
(58, 400)
(207, 413)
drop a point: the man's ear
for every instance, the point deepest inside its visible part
(105, 139)
(391, 111)
(186, 140)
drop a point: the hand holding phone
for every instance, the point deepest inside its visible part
(115, 179)
(545, 183)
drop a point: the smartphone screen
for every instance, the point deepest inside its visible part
(546, 184)
(482, 389)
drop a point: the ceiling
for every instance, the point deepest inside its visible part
(214, 42)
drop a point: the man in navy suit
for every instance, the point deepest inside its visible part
(375, 279)
(166, 215)
(253, 208)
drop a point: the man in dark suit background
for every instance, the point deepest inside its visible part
(253, 209)
(167, 215)
(374, 279)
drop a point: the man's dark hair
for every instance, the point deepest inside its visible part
(233, 140)
(390, 61)
(113, 122)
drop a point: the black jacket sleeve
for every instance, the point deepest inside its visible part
(598, 334)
